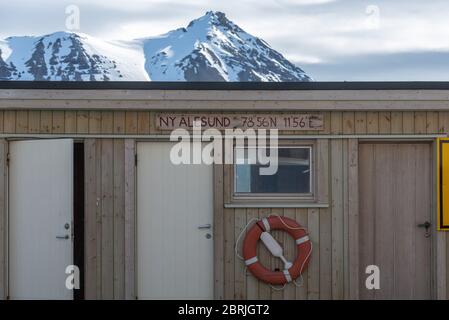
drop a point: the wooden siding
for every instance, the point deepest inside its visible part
(3, 219)
(109, 218)
(331, 273)
(142, 122)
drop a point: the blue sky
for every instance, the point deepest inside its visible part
(330, 39)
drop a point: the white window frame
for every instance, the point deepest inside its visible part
(284, 197)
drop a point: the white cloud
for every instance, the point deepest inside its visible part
(304, 2)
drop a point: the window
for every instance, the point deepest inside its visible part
(293, 178)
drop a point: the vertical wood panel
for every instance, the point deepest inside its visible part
(348, 122)
(22, 122)
(119, 122)
(95, 122)
(343, 294)
(34, 121)
(99, 213)
(107, 219)
(218, 233)
(337, 230)
(229, 253)
(325, 260)
(360, 122)
(276, 264)
(339, 121)
(252, 284)
(322, 168)
(130, 219)
(443, 121)
(408, 122)
(367, 213)
(432, 122)
(58, 120)
(327, 123)
(119, 219)
(90, 220)
(143, 122)
(131, 122)
(82, 121)
(2, 116)
(46, 121)
(336, 126)
(107, 122)
(290, 254)
(3, 228)
(70, 122)
(420, 122)
(353, 218)
(239, 272)
(396, 122)
(302, 289)
(372, 122)
(153, 129)
(9, 121)
(265, 259)
(313, 272)
(384, 122)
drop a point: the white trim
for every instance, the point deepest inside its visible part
(287, 275)
(266, 224)
(302, 240)
(250, 261)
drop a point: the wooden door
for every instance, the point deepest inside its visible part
(395, 197)
(174, 226)
(40, 218)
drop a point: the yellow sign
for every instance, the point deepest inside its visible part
(443, 184)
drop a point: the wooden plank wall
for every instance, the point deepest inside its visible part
(109, 218)
(3, 220)
(330, 274)
(109, 207)
(141, 122)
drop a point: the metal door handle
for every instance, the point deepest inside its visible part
(63, 237)
(425, 225)
(205, 226)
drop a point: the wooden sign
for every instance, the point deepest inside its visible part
(443, 184)
(306, 121)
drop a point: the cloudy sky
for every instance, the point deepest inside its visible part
(330, 39)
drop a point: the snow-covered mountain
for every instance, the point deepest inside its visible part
(70, 57)
(211, 48)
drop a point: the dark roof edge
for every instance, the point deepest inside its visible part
(154, 85)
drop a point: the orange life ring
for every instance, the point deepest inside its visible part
(302, 240)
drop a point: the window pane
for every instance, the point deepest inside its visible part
(293, 175)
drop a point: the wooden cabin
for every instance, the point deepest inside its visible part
(86, 180)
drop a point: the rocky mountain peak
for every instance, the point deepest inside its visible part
(210, 48)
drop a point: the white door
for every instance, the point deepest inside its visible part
(40, 218)
(174, 226)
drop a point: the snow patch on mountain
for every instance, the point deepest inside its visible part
(213, 48)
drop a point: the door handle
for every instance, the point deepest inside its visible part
(426, 225)
(66, 237)
(205, 226)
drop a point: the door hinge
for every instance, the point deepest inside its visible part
(135, 159)
(7, 159)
